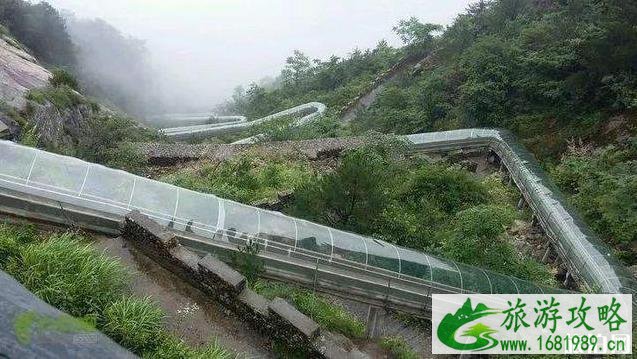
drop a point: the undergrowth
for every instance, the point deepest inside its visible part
(248, 178)
(66, 272)
(398, 348)
(328, 315)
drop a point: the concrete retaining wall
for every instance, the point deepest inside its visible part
(166, 154)
(277, 318)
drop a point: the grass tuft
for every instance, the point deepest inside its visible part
(328, 315)
(134, 323)
(398, 348)
(69, 274)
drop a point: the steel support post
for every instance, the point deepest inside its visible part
(372, 318)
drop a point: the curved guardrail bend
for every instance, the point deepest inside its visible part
(588, 258)
(46, 186)
(203, 127)
(38, 184)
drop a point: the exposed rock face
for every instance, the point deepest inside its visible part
(19, 73)
(59, 127)
(4, 130)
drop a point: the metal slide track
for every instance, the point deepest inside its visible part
(41, 185)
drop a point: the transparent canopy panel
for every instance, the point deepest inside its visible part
(155, 198)
(382, 255)
(16, 161)
(91, 186)
(197, 213)
(57, 173)
(414, 264)
(111, 186)
(349, 246)
(277, 228)
(241, 222)
(314, 238)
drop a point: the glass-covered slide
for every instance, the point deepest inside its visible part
(591, 259)
(95, 187)
(188, 119)
(228, 124)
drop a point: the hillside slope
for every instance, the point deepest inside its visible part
(19, 73)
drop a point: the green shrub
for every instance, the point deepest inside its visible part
(134, 323)
(174, 348)
(61, 77)
(477, 237)
(248, 178)
(125, 156)
(398, 348)
(12, 239)
(30, 137)
(248, 262)
(602, 185)
(354, 196)
(328, 315)
(67, 273)
(61, 96)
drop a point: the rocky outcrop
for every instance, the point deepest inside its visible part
(59, 127)
(19, 73)
(4, 130)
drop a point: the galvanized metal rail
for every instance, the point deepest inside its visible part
(37, 184)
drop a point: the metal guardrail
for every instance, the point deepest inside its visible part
(218, 125)
(38, 184)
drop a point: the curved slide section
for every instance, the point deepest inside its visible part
(94, 190)
(219, 125)
(590, 260)
(95, 197)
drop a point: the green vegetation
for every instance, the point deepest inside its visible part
(328, 315)
(398, 348)
(61, 96)
(248, 178)
(66, 272)
(134, 323)
(439, 208)
(565, 67)
(173, 348)
(549, 71)
(62, 77)
(602, 184)
(248, 262)
(69, 274)
(40, 28)
(333, 82)
(101, 136)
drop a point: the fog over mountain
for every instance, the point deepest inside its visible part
(200, 50)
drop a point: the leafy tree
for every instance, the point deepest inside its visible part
(40, 28)
(416, 35)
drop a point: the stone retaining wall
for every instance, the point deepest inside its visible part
(167, 154)
(277, 318)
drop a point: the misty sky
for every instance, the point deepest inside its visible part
(205, 48)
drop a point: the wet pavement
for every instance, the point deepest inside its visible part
(191, 315)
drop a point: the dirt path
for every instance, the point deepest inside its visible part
(368, 99)
(191, 315)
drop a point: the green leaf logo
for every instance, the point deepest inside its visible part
(450, 324)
